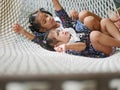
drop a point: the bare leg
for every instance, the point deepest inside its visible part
(89, 19)
(83, 14)
(92, 23)
(108, 27)
(105, 49)
(86, 13)
(103, 42)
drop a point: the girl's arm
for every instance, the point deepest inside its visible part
(18, 29)
(62, 14)
(75, 46)
(57, 5)
(80, 46)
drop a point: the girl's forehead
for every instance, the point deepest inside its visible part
(40, 17)
(39, 14)
(52, 33)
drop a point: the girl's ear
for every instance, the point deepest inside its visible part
(55, 45)
(58, 43)
(55, 48)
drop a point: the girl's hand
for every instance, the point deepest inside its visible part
(117, 22)
(74, 14)
(116, 17)
(17, 28)
(60, 48)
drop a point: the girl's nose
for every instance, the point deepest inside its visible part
(50, 19)
(63, 32)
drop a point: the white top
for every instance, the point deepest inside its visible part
(74, 35)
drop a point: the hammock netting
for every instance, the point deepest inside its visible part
(21, 57)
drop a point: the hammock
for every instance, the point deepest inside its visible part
(23, 59)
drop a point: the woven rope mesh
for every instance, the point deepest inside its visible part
(20, 55)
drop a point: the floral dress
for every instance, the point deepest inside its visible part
(84, 35)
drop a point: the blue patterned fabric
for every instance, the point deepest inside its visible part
(67, 22)
(38, 38)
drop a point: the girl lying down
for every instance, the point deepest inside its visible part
(84, 43)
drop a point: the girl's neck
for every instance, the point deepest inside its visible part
(57, 25)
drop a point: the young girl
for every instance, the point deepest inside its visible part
(82, 43)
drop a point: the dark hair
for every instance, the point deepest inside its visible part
(34, 26)
(50, 42)
(42, 43)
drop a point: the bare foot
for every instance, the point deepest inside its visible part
(114, 16)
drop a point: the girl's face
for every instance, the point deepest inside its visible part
(62, 36)
(45, 20)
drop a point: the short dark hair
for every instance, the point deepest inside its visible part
(50, 41)
(42, 43)
(34, 26)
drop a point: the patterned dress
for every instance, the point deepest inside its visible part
(83, 33)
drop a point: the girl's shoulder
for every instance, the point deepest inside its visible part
(57, 19)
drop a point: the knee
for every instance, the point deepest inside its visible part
(104, 21)
(95, 36)
(91, 23)
(89, 20)
(83, 14)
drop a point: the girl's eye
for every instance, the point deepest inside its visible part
(58, 32)
(44, 22)
(45, 15)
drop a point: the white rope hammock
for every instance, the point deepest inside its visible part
(19, 56)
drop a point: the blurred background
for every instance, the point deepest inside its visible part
(67, 85)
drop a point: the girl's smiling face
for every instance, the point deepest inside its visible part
(45, 20)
